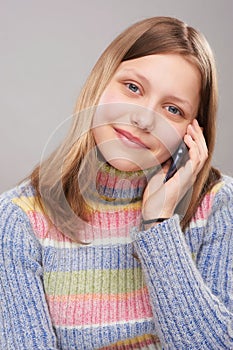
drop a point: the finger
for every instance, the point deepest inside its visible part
(194, 151)
(196, 134)
(196, 160)
(200, 136)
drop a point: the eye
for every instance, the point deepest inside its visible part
(173, 110)
(134, 88)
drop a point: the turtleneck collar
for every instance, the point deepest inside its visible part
(113, 202)
(120, 187)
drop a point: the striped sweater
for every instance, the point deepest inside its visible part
(177, 293)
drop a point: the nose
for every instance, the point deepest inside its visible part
(143, 119)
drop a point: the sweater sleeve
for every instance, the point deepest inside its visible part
(24, 317)
(191, 302)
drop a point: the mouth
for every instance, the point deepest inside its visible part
(129, 139)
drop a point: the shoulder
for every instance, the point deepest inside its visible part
(17, 195)
(16, 201)
(217, 205)
(15, 223)
(222, 193)
(218, 200)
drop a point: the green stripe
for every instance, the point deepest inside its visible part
(93, 282)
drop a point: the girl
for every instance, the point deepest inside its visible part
(97, 250)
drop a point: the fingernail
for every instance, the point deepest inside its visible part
(190, 126)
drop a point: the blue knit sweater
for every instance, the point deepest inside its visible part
(57, 294)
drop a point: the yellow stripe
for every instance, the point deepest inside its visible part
(100, 207)
(140, 339)
(216, 187)
(93, 282)
(27, 204)
(30, 203)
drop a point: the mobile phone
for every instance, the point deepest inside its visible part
(178, 159)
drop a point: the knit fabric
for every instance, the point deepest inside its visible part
(57, 294)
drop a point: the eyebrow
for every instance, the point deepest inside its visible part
(180, 100)
(131, 70)
(143, 78)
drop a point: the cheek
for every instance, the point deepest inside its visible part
(96, 135)
(109, 108)
(181, 129)
(114, 113)
(167, 136)
(109, 96)
(99, 134)
(105, 114)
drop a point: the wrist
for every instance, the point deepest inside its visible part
(146, 224)
(157, 215)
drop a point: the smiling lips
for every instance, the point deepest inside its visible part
(129, 139)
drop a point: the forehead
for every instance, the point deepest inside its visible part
(172, 62)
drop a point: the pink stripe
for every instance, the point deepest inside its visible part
(114, 181)
(116, 220)
(104, 226)
(41, 227)
(96, 309)
(204, 209)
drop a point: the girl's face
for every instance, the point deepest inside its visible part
(144, 111)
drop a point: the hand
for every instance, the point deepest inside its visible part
(159, 199)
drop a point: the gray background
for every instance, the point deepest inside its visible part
(48, 48)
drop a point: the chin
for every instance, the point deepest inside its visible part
(124, 160)
(124, 165)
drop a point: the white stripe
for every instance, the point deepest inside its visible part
(149, 319)
(97, 242)
(198, 223)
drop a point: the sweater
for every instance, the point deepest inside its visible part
(127, 288)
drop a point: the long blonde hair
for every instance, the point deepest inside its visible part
(56, 179)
